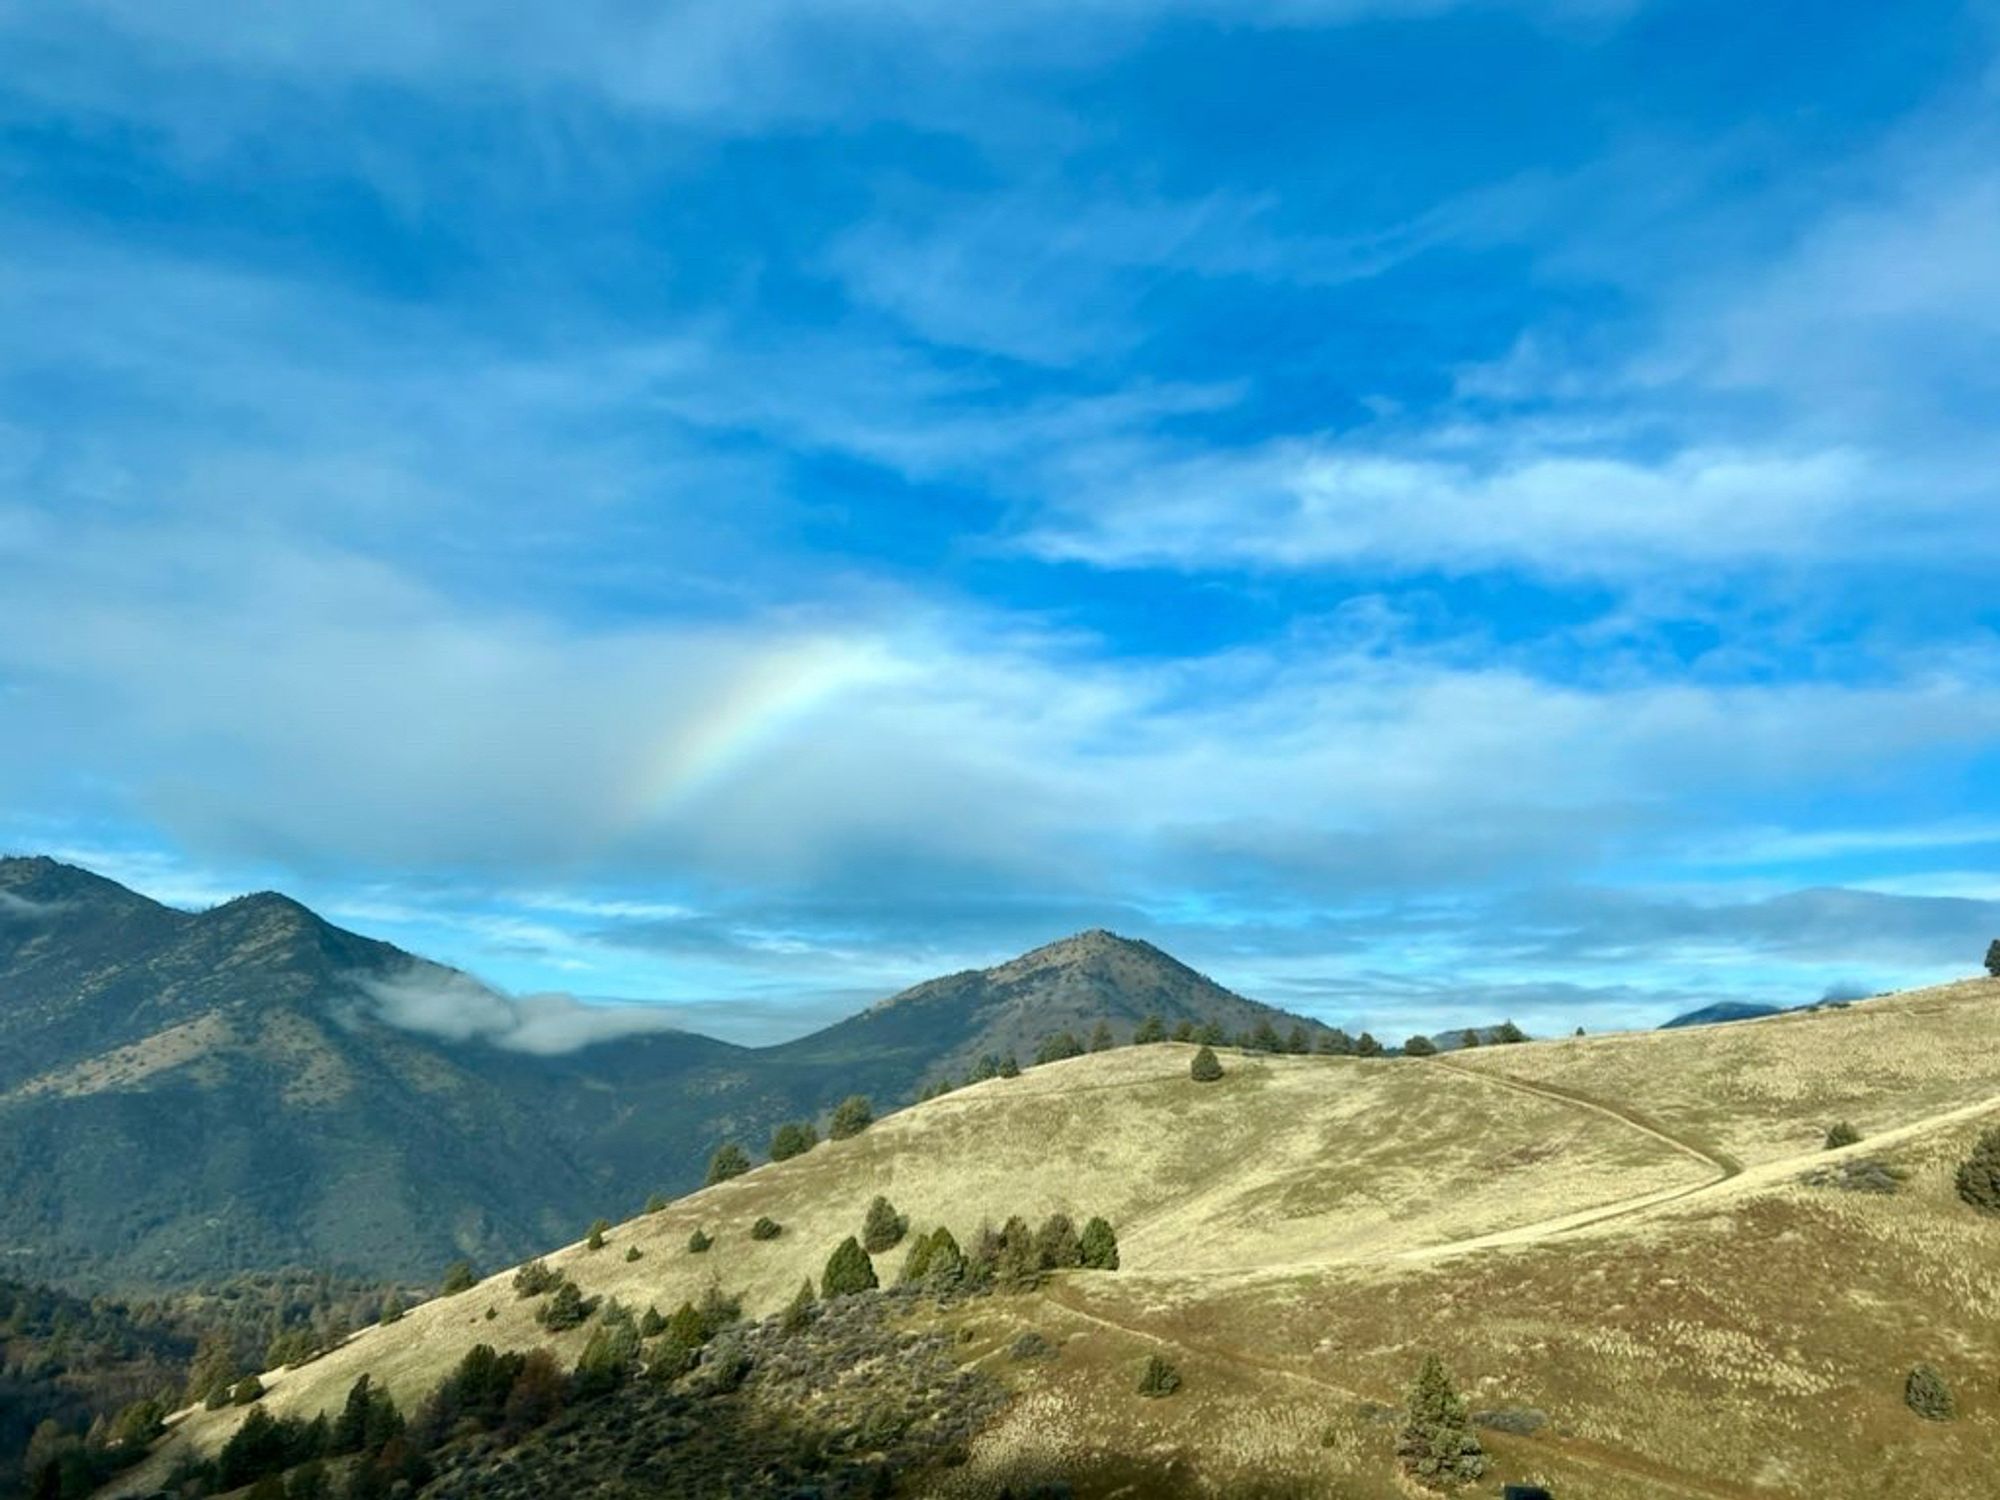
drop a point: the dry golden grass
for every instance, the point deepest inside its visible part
(1298, 1235)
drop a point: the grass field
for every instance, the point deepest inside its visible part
(1565, 1222)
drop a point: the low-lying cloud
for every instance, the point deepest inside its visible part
(456, 1007)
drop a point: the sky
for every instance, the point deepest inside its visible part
(1427, 511)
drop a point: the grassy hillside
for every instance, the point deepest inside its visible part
(1565, 1222)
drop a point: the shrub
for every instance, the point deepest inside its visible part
(1099, 1246)
(607, 1358)
(851, 1116)
(766, 1228)
(1437, 1446)
(1420, 1046)
(1297, 1041)
(883, 1228)
(1184, 1030)
(392, 1308)
(1031, 1345)
(1841, 1134)
(1159, 1378)
(917, 1263)
(1055, 1048)
(1926, 1394)
(1017, 1264)
(655, 1202)
(1509, 1033)
(1993, 958)
(730, 1160)
(1979, 1174)
(946, 1264)
(1056, 1245)
(698, 1243)
(566, 1308)
(799, 1311)
(458, 1277)
(632, 1253)
(1150, 1030)
(652, 1324)
(535, 1278)
(795, 1139)
(1336, 1043)
(246, 1390)
(1366, 1046)
(848, 1270)
(1206, 1067)
(1857, 1174)
(598, 1229)
(1101, 1039)
(1010, 1067)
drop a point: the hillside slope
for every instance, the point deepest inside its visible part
(1296, 1236)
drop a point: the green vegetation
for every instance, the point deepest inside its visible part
(1437, 1446)
(882, 1228)
(632, 1253)
(794, 1139)
(567, 1307)
(1841, 1134)
(1420, 1046)
(1205, 1066)
(458, 1277)
(1101, 1039)
(1366, 1046)
(1150, 1030)
(1508, 1034)
(1336, 1043)
(799, 1311)
(848, 1270)
(1010, 1067)
(1099, 1246)
(1057, 1247)
(1159, 1378)
(534, 1278)
(851, 1116)
(1184, 1030)
(599, 1228)
(1926, 1394)
(1979, 1174)
(1297, 1042)
(766, 1228)
(392, 1308)
(1055, 1048)
(656, 1202)
(1993, 958)
(730, 1160)
(699, 1241)
(247, 1390)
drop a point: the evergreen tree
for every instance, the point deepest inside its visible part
(1470, 1038)
(655, 1202)
(1336, 1043)
(882, 1228)
(1437, 1445)
(351, 1427)
(1183, 1030)
(1509, 1033)
(1993, 958)
(601, 1227)
(1206, 1067)
(607, 1358)
(632, 1253)
(946, 1264)
(917, 1263)
(1099, 1246)
(652, 1324)
(1298, 1043)
(214, 1367)
(309, 1482)
(1159, 1378)
(1367, 1046)
(1150, 1030)
(799, 1311)
(698, 1242)
(795, 1139)
(1265, 1037)
(1017, 1264)
(1926, 1394)
(1841, 1134)
(848, 1270)
(534, 1277)
(1211, 1034)
(1420, 1046)
(852, 1116)
(730, 1160)
(1009, 1067)
(246, 1391)
(1057, 1247)
(459, 1277)
(1101, 1039)
(1055, 1048)
(392, 1307)
(1979, 1174)
(766, 1228)
(566, 1308)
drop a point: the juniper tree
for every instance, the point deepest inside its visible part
(632, 1253)
(917, 1263)
(1159, 1378)
(565, 1309)
(1101, 1039)
(1420, 1046)
(1010, 1067)
(1979, 1174)
(946, 1263)
(1367, 1046)
(1055, 1048)
(1336, 1043)
(598, 1229)
(1926, 1394)
(1056, 1245)
(1184, 1030)
(653, 1323)
(1437, 1446)
(534, 1277)
(1205, 1067)
(699, 1241)
(766, 1228)
(1509, 1033)
(1993, 958)
(730, 1160)
(799, 1311)
(1211, 1034)
(882, 1228)
(1265, 1037)
(1298, 1042)
(848, 1270)
(1841, 1134)
(851, 1116)
(655, 1202)
(1017, 1264)
(1099, 1246)
(458, 1277)
(794, 1139)
(392, 1308)
(1150, 1030)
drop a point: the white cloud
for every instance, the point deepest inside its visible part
(458, 1008)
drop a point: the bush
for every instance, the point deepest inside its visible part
(1159, 1378)
(946, 1265)
(1857, 1174)
(848, 1270)
(795, 1139)
(1420, 1046)
(1979, 1174)
(1055, 1048)
(1017, 1263)
(1031, 1345)
(1336, 1043)
(1184, 1030)
(598, 1229)
(392, 1308)
(799, 1311)
(1841, 1134)
(698, 1243)
(1099, 1246)
(1101, 1039)
(730, 1160)
(655, 1202)
(535, 1278)
(632, 1253)
(1993, 958)
(766, 1228)
(917, 1263)
(1010, 1067)
(652, 1323)
(1150, 1030)
(1926, 1394)
(1365, 1045)
(882, 1228)
(1296, 1041)
(566, 1308)
(851, 1116)
(1437, 1446)
(1206, 1067)
(1509, 1033)
(246, 1390)
(1056, 1245)
(458, 1277)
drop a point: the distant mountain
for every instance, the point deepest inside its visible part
(187, 1094)
(1723, 1010)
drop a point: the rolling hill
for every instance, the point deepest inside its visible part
(1624, 1247)
(188, 1094)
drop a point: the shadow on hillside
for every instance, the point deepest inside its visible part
(1105, 1475)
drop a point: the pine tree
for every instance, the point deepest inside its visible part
(917, 1263)
(1367, 1046)
(1205, 1068)
(852, 1116)
(699, 1241)
(1509, 1033)
(1336, 1043)
(1265, 1038)
(1056, 1245)
(1298, 1042)
(1184, 1030)
(848, 1270)
(1470, 1038)
(598, 1229)
(652, 1324)
(1926, 1394)
(1841, 1134)
(730, 1160)
(350, 1429)
(1101, 1039)
(1010, 1067)
(1993, 958)
(794, 1139)
(1420, 1046)
(1055, 1048)
(766, 1228)
(1099, 1246)
(459, 1277)
(655, 1202)
(1017, 1263)
(1211, 1034)
(214, 1366)
(1979, 1174)
(799, 1311)
(1437, 1446)
(946, 1263)
(1150, 1030)
(882, 1228)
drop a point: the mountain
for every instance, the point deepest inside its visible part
(1721, 1011)
(186, 1094)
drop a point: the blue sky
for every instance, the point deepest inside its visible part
(1425, 510)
